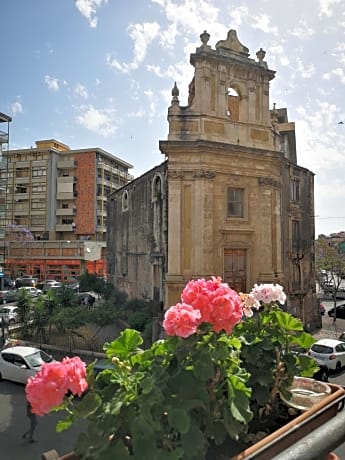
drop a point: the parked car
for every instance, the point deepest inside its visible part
(329, 353)
(41, 283)
(51, 285)
(342, 337)
(340, 311)
(9, 314)
(26, 280)
(8, 296)
(20, 362)
(87, 299)
(34, 292)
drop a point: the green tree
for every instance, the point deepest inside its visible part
(25, 307)
(330, 257)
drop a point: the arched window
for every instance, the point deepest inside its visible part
(233, 104)
(125, 201)
(157, 188)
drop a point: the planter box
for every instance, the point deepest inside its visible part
(281, 439)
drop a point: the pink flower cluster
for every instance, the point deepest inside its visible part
(204, 301)
(268, 293)
(48, 387)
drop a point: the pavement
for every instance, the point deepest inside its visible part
(330, 329)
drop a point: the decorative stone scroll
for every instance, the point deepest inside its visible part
(204, 174)
(175, 174)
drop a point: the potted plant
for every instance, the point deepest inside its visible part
(210, 389)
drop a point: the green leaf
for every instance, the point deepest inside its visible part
(63, 425)
(304, 340)
(123, 346)
(87, 405)
(179, 419)
(116, 450)
(308, 366)
(193, 443)
(240, 402)
(287, 321)
(147, 385)
(203, 366)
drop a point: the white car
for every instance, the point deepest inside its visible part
(19, 363)
(329, 353)
(34, 292)
(9, 314)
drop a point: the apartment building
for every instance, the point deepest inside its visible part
(56, 218)
(5, 121)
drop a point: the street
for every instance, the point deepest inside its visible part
(14, 422)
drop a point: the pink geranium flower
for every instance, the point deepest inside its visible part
(218, 304)
(268, 293)
(181, 320)
(51, 383)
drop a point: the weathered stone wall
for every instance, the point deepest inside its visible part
(137, 227)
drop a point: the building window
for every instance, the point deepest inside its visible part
(38, 188)
(295, 234)
(21, 189)
(294, 190)
(38, 204)
(157, 188)
(38, 172)
(67, 221)
(125, 201)
(235, 202)
(233, 105)
(23, 172)
(37, 220)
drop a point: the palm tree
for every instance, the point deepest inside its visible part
(25, 306)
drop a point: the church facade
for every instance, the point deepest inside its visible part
(229, 200)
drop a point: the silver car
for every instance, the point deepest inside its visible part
(19, 363)
(9, 314)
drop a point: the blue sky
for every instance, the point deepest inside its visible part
(99, 73)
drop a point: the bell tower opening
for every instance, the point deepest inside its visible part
(233, 104)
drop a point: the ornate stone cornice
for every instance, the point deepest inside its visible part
(176, 174)
(204, 174)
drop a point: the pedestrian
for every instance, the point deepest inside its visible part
(33, 423)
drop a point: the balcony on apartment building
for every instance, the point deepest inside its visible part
(64, 227)
(66, 164)
(66, 211)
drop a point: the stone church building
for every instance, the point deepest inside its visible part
(229, 200)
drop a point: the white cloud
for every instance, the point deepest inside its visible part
(302, 30)
(81, 91)
(142, 35)
(88, 9)
(263, 22)
(305, 71)
(16, 107)
(339, 52)
(99, 121)
(238, 16)
(326, 6)
(53, 83)
(190, 15)
(168, 37)
(339, 72)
